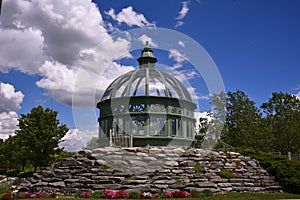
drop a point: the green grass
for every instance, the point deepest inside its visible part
(253, 196)
(229, 196)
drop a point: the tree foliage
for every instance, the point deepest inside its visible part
(35, 143)
(39, 134)
(283, 119)
(239, 123)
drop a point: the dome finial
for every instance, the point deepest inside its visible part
(147, 44)
(147, 58)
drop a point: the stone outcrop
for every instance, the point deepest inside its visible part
(154, 169)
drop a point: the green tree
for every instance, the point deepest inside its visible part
(243, 125)
(283, 117)
(200, 136)
(39, 134)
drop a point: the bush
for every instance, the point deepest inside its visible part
(26, 174)
(195, 193)
(207, 193)
(77, 194)
(226, 174)
(286, 172)
(97, 194)
(134, 195)
(5, 188)
(198, 168)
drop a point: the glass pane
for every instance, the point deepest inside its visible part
(138, 85)
(156, 84)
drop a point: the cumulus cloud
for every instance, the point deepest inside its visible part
(182, 13)
(76, 140)
(144, 38)
(9, 98)
(8, 124)
(15, 53)
(129, 17)
(10, 102)
(53, 39)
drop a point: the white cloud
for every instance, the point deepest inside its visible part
(177, 56)
(181, 43)
(10, 102)
(298, 95)
(21, 49)
(54, 37)
(144, 38)
(178, 24)
(184, 10)
(195, 95)
(182, 13)
(76, 140)
(8, 124)
(129, 17)
(9, 98)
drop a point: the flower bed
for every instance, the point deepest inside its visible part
(106, 194)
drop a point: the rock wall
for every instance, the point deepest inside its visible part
(154, 169)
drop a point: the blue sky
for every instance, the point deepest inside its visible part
(255, 45)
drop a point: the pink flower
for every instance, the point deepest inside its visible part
(52, 195)
(168, 194)
(85, 195)
(184, 194)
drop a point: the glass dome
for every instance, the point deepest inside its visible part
(150, 105)
(146, 82)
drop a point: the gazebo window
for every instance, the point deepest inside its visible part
(137, 125)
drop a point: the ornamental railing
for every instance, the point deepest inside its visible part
(120, 139)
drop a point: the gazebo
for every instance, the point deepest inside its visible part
(152, 106)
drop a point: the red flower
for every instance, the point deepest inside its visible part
(7, 196)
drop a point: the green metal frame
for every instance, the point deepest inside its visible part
(133, 114)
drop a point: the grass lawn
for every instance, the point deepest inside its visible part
(229, 196)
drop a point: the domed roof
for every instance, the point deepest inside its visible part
(147, 81)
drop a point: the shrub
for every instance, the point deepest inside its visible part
(134, 195)
(286, 172)
(77, 194)
(26, 174)
(97, 194)
(5, 188)
(198, 168)
(207, 193)
(195, 193)
(226, 174)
